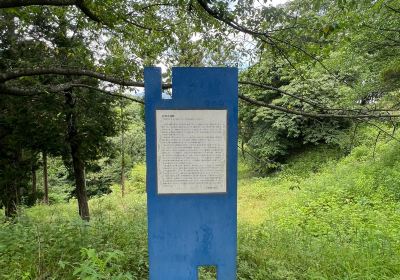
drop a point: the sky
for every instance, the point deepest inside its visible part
(277, 2)
(270, 2)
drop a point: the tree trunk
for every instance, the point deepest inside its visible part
(242, 148)
(122, 154)
(11, 191)
(80, 184)
(77, 162)
(11, 201)
(34, 183)
(123, 175)
(45, 179)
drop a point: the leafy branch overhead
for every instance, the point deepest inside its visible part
(342, 113)
(80, 4)
(311, 72)
(218, 12)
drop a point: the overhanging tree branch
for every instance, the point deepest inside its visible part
(223, 17)
(384, 131)
(313, 103)
(268, 87)
(25, 92)
(85, 9)
(17, 91)
(80, 4)
(15, 74)
(342, 114)
(263, 36)
(316, 115)
(18, 73)
(23, 3)
(108, 92)
(393, 9)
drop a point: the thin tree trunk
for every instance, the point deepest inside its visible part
(34, 183)
(45, 179)
(123, 175)
(242, 147)
(77, 162)
(122, 154)
(11, 200)
(11, 191)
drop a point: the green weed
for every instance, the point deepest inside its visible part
(318, 218)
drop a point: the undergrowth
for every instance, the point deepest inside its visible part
(321, 217)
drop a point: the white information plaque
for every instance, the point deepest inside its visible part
(191, 151)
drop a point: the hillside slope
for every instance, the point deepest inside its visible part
(319, 218)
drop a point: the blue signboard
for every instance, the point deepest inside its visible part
(191, 144)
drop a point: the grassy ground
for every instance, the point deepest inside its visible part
(335, 220)
(319, 218)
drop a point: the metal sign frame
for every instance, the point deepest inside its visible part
(189, 231)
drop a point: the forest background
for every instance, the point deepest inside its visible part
(319, 107)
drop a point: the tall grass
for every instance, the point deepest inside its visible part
(341, 222)
(52, 242)
(319, 218)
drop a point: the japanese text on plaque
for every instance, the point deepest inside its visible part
(191, 151)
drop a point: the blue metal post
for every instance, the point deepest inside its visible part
(186, 231)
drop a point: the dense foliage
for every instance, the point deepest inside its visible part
(319, 85)
(320, 218)
(310, 72)
(337, 54)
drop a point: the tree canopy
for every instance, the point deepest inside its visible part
(310, 71)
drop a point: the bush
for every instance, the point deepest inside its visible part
(339, 223)
(137, 179)
(319, 218)
(52, 242)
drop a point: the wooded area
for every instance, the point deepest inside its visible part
(312, 74)
(316, 66)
